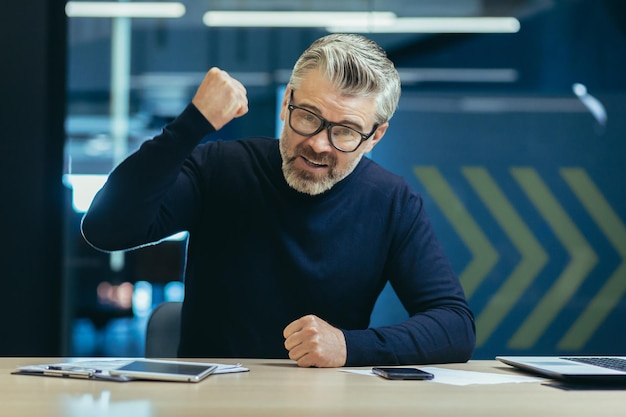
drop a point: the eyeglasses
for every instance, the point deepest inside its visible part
(306, 123)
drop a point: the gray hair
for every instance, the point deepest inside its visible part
(356, 66)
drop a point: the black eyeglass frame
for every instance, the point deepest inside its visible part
(328, 126)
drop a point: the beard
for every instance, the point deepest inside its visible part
(307, 182)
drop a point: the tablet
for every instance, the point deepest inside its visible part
(161, 370)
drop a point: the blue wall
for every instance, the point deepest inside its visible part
(525, 187)
(531, 210)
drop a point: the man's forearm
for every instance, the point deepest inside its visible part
(444, 336)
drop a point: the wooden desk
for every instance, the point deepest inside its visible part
(278, 388)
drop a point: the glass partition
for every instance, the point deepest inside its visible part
(510, 120)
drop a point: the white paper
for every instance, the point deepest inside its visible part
(455, 377)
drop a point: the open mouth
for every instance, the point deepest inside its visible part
(313, 164)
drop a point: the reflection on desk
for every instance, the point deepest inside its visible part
(279, 388)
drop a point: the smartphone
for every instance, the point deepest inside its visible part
(402, 373)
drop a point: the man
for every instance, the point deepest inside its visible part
(291, 241)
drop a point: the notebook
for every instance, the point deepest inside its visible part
(584, 369)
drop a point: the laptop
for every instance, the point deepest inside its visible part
(579, 369)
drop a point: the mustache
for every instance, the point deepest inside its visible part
(307, 152)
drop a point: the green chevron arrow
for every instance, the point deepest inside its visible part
(582, 256)
(533, 255)
(615, 286)
(484, 256)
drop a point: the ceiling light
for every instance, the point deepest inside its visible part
(462, 75)
(124, 9)
(362, 20)
(436, 25)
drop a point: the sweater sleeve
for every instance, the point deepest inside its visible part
(147, 197)
(440, 327)
(437, 336)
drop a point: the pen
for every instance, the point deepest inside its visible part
(69, 371)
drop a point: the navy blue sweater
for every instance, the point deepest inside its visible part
(261, 254)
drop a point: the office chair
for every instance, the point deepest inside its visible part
(163, 331)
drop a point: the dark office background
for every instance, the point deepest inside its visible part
(32, 85)
(524, 185)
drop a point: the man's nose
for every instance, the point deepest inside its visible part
(320, 142)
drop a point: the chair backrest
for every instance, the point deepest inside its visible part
(163, 331)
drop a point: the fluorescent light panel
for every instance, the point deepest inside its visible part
(464, 75)
(296, 19)
(370, 22)
(437, 25)
(124, 9)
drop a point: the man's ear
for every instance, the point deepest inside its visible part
(376, 137)
(283, 107)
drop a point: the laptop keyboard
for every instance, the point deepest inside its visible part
(610, 363)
